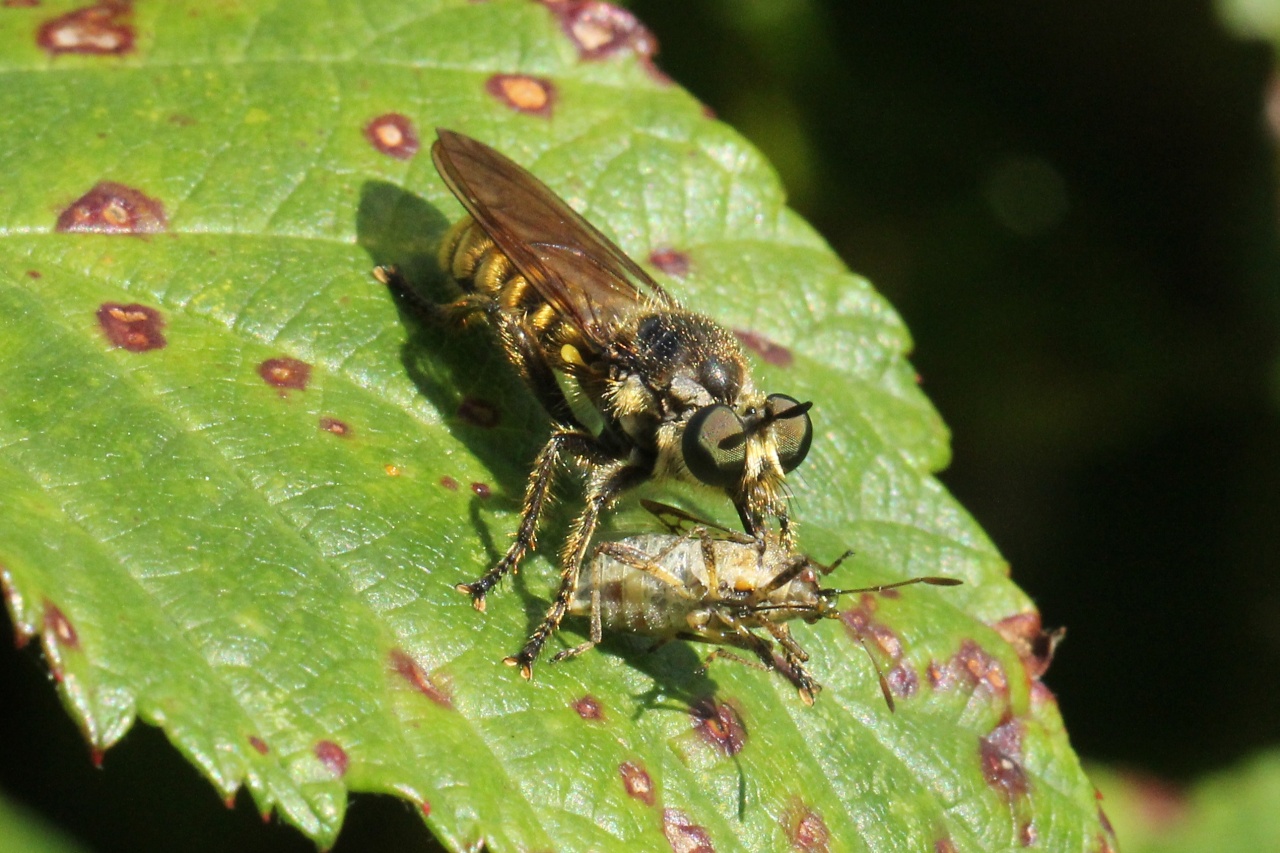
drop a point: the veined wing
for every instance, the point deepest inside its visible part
(581, 273)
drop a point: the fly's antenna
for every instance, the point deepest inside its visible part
(769, 417)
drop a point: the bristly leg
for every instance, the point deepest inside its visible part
(613, 479)
(536, 497)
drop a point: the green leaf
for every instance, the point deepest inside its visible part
(266, 571)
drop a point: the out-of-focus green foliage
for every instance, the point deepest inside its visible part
(1228, 812)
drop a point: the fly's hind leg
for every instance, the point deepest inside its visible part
(453, 313)
(611, 479)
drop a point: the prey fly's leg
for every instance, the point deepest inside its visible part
(795, 671)
(536, 495)
(611, 480)
(637, 559)
(795, 658)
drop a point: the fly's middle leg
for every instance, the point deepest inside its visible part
(611, 480)
(536, 496)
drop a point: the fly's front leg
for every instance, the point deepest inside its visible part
(612, 479)
(536, 495)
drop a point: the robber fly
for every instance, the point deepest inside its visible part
(715, 586)
(670, 388)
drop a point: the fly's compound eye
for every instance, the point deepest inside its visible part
(792, 429)
(715, 446)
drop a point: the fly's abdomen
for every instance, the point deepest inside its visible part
(469, 254)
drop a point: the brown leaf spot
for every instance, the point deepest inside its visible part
(58, 627)
(903, 681)
(285, 373)
(478, 413)
(683, 834)
(333, 757)
(96, 755)
(533, 95)
(393, 135)
(33, 274)
(1000, 753)
(670, 261)
(98, 30)
(111, 208)
(259, 745)
(589, 708)
(974, 665)
(599, 29)
(335, 426)
(1028, 834)
(806, 828)
(449, 483)
(409, 669)
(481, 490)
(133, 327)
(719, 725)
(636, 781)
(940, 676)
(425, 806)
(944, 845)
(21, 4)
(861, 625)
(773, 353)
(1033, 644)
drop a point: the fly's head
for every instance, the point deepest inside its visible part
(709, 423)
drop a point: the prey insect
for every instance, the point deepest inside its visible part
(715, 586)
(664, 392)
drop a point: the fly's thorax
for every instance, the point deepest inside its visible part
(690, 359)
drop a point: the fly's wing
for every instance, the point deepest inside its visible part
(580, 272)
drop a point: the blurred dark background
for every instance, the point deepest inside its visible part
(1073, 206)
